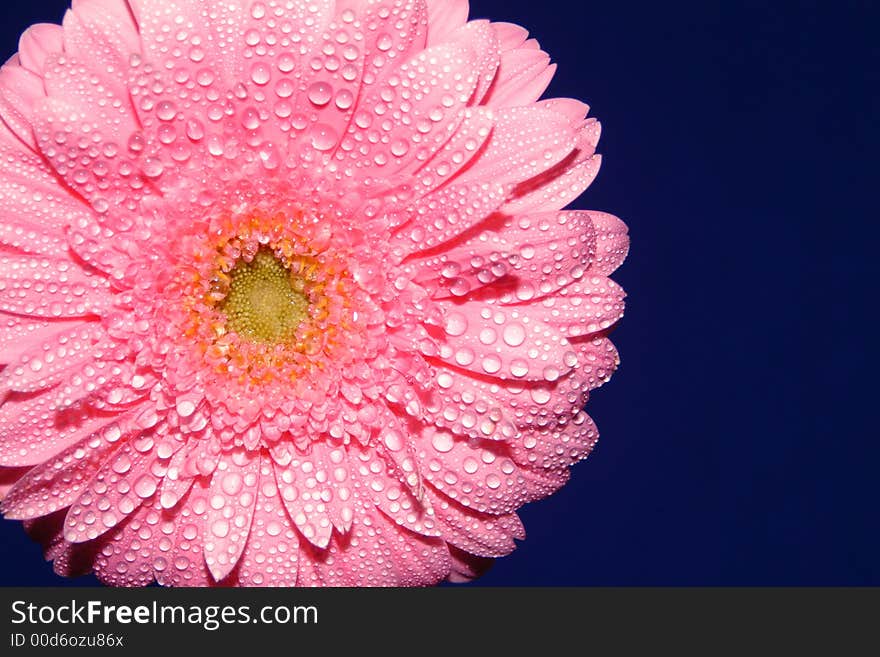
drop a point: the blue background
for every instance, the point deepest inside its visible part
(739, 438)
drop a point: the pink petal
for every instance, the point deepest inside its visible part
(25, 237)
(526, 142)
(60, 480)
(557, 187)
(541, 253)
(334, 461)
(467, 567)
(448, 212)
(302, 486)
(48, 362)
(555, 447)
(84, 102)
(37, 44)
(110, 257)
(477, 533)
(105, 33)
(128, 552)
(495, 409)
(271, 555)
(612, 242)
(585, 307)
(476, 474)
(8, 478)
(455, 154)
(444, 18)
(394, 33)
(76, 119)
(231, 503)
(181, 545)
(26, 176)
(598, 359)
(436, 103)
(503, 342)
(128, 479)
(523, 75)
(511, 36)
(42, 287)
(21, 91)
(32, 430)
(574, 109)
(379, 483)
(377, 553)
(105, 384)
(178, 478)
(460, 273)
(297, 75)
(483, 43)
(216, 39)
(112, 19)
(388, 36)
(70, 559)
(19, 334)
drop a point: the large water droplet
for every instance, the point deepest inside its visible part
(323, 137)
(320, 93)
(261, 73)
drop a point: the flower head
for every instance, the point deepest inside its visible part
(287, 296)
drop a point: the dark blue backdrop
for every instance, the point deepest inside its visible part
(739, 442)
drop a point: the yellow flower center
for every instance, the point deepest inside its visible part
(265, 301)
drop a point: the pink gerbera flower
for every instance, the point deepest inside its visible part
(286, 293)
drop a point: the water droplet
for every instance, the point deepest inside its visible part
(205, 77)
(551, 373)
(195, 130)
(185, 407)
(488, 335)
(166, 110)
(286, 63)
(145, 486)
(384, 42)
(284, 88)
(232, 483)
(442, 441)
(344, 99)
(514, 334)
(122, 464)
(519, 367)
(136, 142)
(320, 93)
(153, 167)
(393, 441)
(261, 73)
(491, 364)
(323, 137)
(250, 118)
(456, 324)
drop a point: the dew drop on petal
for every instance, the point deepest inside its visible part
(145, 486)
(261, 73)
(320, 93)
(323, 137)
(514, 334)
(442, 441)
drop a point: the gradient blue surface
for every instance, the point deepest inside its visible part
(739, 442)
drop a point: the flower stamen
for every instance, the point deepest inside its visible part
(265, 301)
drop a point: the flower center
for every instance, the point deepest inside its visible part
(265, 302)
